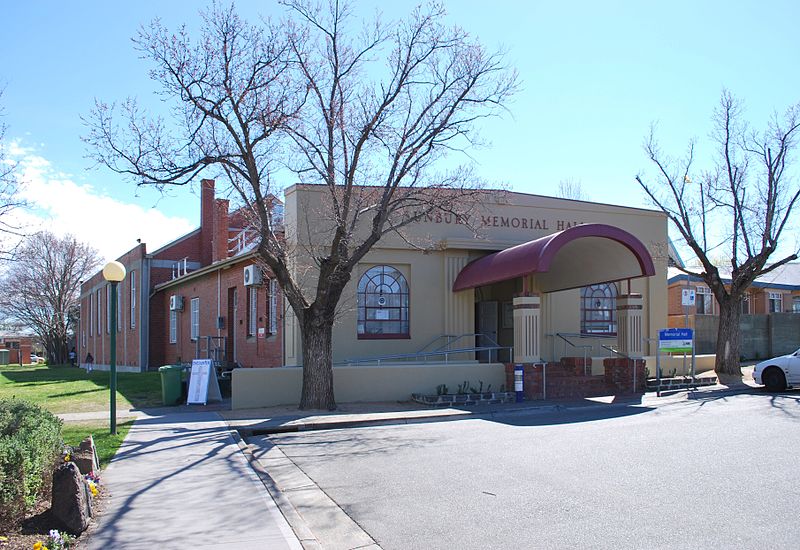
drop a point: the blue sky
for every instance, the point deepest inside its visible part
(594, 75)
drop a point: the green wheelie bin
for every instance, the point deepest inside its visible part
(171, 384)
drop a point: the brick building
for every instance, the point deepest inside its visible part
(775, 292)
(201, 295)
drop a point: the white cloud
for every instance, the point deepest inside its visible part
(60, 205)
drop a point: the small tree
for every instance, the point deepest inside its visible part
(41, 288)
(741, 206)
(366, 116)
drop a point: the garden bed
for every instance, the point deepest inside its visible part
(462, 399)
(679, 383)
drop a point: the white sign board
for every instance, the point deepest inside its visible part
(203, 385)
(688, 297)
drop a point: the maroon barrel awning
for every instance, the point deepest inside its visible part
(579, 256)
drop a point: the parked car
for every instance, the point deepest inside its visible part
(35, 359)
(779, 373)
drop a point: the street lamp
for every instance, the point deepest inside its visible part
(113, 272)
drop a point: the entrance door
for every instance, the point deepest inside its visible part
(486, 321)
(230, 348)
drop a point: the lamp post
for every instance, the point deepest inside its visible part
(113, 272)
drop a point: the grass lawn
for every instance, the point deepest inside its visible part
(62, 389)
(106, 444)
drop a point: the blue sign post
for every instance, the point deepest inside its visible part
(518, 381)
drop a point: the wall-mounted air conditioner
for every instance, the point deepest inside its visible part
(252, 275)
(176, 303)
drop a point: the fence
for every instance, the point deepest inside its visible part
(761, 336)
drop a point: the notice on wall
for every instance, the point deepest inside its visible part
(203, 384)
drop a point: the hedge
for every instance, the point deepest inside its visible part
(30, 443)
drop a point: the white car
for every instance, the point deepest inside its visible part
(779, 373)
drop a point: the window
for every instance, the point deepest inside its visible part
(99, 312)
(91, 315)
(775, 302)
(383, 304)
(599, 309)
(252, 311)
(273, 307)
(796, 304)
(195, 312)
(133, 299)
(703, 301)
(173, 327)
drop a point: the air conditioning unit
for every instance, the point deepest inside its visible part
(176, 303)
(252, 275)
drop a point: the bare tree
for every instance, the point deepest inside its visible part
(10, 198)
(41, 289)
(739, 207)
(571, 189)
(365, 115)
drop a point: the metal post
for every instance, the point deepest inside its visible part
(113, 365)
(685, 322)
(544, 381)
(658, 372)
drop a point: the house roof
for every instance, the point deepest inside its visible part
(785, 277)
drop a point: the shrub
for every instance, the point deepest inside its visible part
(30, 443)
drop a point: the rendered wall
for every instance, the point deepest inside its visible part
(505, 219)
(254, 388)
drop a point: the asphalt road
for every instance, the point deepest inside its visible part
(718, 473)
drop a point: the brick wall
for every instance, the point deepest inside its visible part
(213, 289)
(97, 341)
(570, 379)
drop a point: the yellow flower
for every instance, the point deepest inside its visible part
(38, 545)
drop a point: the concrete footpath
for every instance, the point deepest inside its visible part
(180, 480)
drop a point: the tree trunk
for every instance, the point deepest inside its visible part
(727, 361)
(316, 333)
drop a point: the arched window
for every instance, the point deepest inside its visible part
(599, 309)
(383, 304)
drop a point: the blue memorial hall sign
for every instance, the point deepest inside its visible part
(675, 340)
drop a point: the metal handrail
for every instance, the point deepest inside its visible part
(453, 338)
(629, 358)
(563, 335)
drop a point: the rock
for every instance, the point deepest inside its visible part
(71, 502)
(85, 456)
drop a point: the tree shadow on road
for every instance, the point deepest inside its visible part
(570, 415)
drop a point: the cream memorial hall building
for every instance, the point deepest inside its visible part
(574, 287)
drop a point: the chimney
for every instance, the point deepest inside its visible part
(219, 242)
(206, 221)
